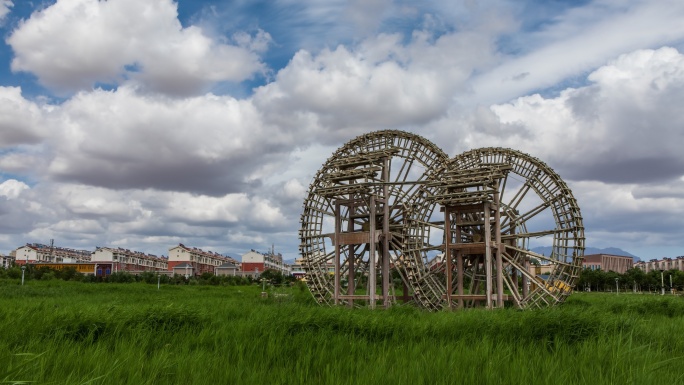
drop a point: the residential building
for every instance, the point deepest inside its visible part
(227, 268)
(607, 262)
(183, 268)
(128, 260)
(6, 261)
(36, 252)
(255, 262)
(676, 263)
(297, 268)
(199, 261)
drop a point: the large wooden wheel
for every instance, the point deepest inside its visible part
(496, 204)
(354, 220)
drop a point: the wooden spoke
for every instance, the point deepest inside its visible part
(393, 200)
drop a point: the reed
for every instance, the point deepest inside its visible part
(78, 333)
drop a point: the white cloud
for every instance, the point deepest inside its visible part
(5, 6)
(124, 139)
(294, 189)
(21, 121)
(12, 188)
(381, 83)
(80, 226)
(624, 127)
(126, 39)
(617, 141)
(579, 41)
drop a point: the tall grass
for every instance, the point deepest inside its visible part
(75, 333)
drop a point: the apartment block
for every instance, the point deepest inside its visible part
(36, 252)
(128, 260)
(194, 261)
(254, 262)
(6, 261)
(676, 263)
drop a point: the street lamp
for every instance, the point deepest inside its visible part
(617, 288)
(264, 294)
(671, 289)
(23, 268)
(662, 283)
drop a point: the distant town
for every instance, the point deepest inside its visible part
(182, 260)
(191, 261)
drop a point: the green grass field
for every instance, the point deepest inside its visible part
(55, 332)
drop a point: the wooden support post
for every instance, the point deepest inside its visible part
(488, 254)
(499, 249)
(385, 237)
(371, 259)
(350, 259)
(459, 261)
(525, 280)
(338, 229)
(447, 255)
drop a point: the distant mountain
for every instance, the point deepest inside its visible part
(546, 250)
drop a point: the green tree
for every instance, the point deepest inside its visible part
(273, 276)
(634, 277)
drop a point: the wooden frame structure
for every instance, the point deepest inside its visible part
(371, 214)
(352, 234)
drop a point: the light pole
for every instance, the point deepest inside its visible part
(662, 283)
(158, 280)
(23, 269)
(671, 290)
(617, 288)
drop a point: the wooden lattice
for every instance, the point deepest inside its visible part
(455, 231)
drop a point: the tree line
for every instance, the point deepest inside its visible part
(633, 279)
(45, 273)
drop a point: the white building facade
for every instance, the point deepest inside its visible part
(6, 261)
(676, 263)
(256, 262)
(36, 252)
(200, 261)
(128, 260)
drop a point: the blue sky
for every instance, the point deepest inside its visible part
(147, 124)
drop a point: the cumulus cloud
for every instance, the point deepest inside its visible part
(381, 83)
(123, 139)
(21, 121)
(86, 216)
(625, 127)
(121, 40)
(616, 141)
(12, 188)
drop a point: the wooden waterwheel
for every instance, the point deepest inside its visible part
(495, 204)
(354, 221)
(390, 210)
